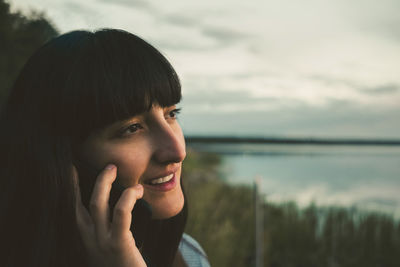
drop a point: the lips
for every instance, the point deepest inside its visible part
(163, 184)
(161, 180)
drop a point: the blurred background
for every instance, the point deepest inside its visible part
(302, 96)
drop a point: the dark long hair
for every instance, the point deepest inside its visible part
(74, 85)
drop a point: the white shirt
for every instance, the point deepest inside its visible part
(192, 252)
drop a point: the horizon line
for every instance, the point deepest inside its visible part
(291, 140)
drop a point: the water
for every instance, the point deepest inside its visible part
(365, 177)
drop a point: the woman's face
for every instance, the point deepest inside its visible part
(148, 149)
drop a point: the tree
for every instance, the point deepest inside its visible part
(20, 36)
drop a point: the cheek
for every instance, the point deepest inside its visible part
(131, 161)
(131, 166)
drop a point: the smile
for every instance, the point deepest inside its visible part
(165, 183)
(161, 180)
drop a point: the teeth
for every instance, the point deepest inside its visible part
(162, 179)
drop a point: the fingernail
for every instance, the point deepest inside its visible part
(138, 186)
(110, 167)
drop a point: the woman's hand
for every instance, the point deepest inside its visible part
(109, 243)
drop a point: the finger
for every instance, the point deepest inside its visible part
(81, 212)
(99, 200)
(83, 219)
(122, 215)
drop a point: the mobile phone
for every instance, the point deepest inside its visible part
(141, 213)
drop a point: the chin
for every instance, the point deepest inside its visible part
(167, 206)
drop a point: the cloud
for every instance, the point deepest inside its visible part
(334, 81)
(378, 18)
(296, 119)
(224, 35)
(181, 20)
(212, 37)
(383, 89)
(78, 9)
(273, 67)
(130, 3)
(226, 103)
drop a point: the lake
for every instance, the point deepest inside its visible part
(364, 177)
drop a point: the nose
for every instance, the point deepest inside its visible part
(169, 145)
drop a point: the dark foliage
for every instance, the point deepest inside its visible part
(221, 218)
(20, 36)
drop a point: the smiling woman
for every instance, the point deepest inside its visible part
(89, 130)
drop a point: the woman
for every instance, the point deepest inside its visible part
(88, 114)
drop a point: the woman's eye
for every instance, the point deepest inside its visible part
(174, 113)
(131, 129)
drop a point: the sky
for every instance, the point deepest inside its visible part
(280, 68)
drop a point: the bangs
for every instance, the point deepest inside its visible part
(117, 76)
